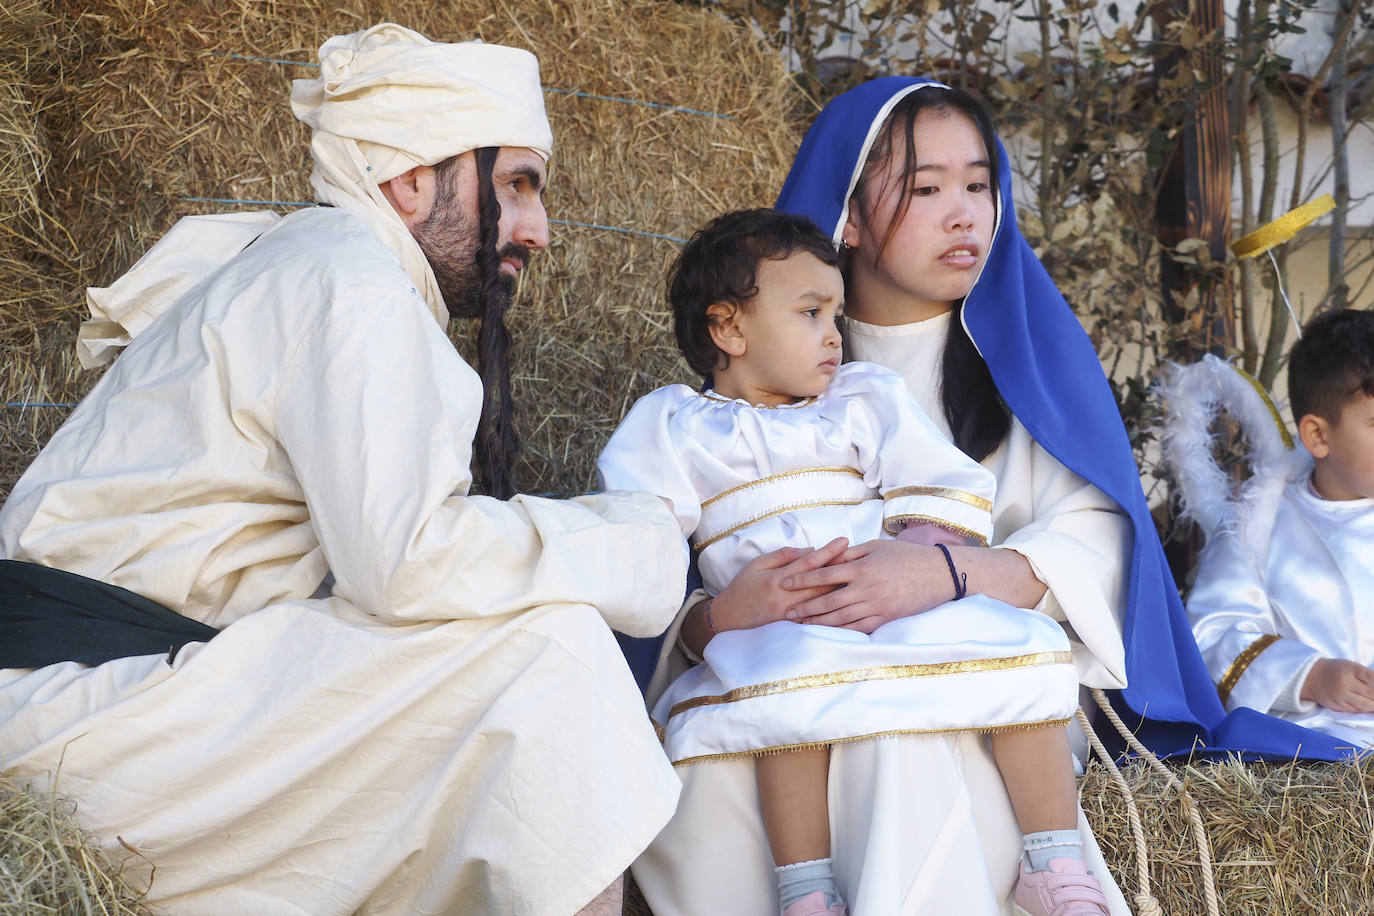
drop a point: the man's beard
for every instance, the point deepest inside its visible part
(448, 237)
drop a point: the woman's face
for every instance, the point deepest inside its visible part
(912, 265)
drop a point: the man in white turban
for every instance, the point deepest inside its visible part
(317, 675)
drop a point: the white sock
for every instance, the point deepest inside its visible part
(801, 878)
(1044, 845)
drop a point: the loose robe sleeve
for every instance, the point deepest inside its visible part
(1078, 543)
(922, 476)
(385, 473)
(641, 455)
(1237, 631)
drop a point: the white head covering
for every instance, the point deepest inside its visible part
(388, 99)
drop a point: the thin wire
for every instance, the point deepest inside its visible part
(36, 404)
(306, 203)
(573, 92)
(1278, 282)
(255, 203)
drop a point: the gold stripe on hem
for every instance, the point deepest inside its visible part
(890, 526)
(875, 673)
(1242, 662)
(799, 472)
(753, 520)
(874, 736)
(962, 496)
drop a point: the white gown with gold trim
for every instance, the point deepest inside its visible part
(451, 727)
(920, 824)
(1263, 622)
(856, 462)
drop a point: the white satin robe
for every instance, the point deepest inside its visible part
(1262, 622)
(859, 461)
(446, 723)
(919, 824)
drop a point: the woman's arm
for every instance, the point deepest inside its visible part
(873, 583)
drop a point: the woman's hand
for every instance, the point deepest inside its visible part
(880, 581)
(871, 584)
(1340, 685)
(756, 595)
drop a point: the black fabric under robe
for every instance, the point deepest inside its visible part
(48, 616)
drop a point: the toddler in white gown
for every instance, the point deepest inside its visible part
(787, 447)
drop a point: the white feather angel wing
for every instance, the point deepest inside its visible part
(1192, 396)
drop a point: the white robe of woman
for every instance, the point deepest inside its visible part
(416, 704)
(1263, 622)
(919, 824)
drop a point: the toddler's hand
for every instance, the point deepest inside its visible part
(1340, 685)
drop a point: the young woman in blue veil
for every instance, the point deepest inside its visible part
(921, 824)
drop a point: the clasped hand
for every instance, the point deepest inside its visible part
(858, 588)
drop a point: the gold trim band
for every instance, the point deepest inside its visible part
(1243, 661)
(799, 472)
(895, 733)
(753, 520)
(876, 673)
(1268, 402)
(890, 526)
(962, 496)
(1283, 228)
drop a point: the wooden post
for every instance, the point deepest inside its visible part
(1195, 188)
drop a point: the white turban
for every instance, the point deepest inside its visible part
(409, 101)
(388, 99)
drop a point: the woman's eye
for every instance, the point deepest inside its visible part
(811, 313)
(925, 191)
(978, 187)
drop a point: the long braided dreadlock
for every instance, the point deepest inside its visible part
(466, 261)
(497, 444)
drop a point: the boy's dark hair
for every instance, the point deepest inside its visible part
(1333, 362)
(720, 264)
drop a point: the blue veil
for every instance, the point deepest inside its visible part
(1047, 371)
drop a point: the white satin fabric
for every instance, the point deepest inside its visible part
(415, 740)
(1314, 589)
(919, 824)
(745, 480)
(975, 663)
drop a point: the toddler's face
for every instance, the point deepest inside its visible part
(790, 331)
(1349, 464)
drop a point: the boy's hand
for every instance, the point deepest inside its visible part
(1340, 685)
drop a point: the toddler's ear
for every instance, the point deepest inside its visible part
(1314, 433)
(726, 333)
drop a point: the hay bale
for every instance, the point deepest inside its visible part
(1294, 838)
(154, 111)
(47, 865)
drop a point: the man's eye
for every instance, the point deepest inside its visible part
(811, 313)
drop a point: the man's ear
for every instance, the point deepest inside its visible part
(411, 194)
(1315, 431)
(722, 319)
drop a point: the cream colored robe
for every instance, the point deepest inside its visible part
(444, 725)
(919, 824)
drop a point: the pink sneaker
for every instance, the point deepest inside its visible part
(813, 904)
(1067, 888)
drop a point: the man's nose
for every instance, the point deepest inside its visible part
(532, 227)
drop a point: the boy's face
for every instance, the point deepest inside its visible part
(784, 345)
(1344, 450)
